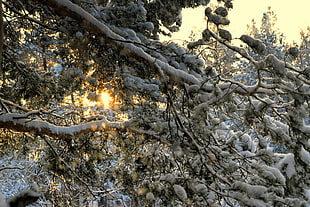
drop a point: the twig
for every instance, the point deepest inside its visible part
(29, 18)
(67, 165)
(11, 168)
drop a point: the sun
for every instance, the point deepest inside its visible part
(105, 99)
(99, 98)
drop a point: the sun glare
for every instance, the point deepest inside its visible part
(102, 98)
(105, 99)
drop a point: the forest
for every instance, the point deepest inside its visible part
(97, 111)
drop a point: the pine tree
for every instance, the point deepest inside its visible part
(104, 111)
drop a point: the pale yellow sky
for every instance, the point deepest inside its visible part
(293, 16)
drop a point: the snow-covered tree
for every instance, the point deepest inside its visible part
(104, 111)
(304, 49)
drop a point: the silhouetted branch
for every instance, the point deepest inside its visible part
(29, 18)
(11, 168)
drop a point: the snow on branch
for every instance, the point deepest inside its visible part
(19, 123)
(67, 8)
(22, 123)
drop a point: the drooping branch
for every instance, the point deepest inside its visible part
(88, 21)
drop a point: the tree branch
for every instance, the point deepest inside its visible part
(11, 168)
(67, 8)
(18, 123)
(88, 21)
(29, 18)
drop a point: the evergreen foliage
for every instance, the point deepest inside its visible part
(95, 108)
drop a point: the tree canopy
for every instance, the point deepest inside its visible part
(95, 108)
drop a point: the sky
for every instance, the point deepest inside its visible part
(293, 16)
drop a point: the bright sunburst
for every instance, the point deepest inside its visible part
(105, 99)
(100, 98)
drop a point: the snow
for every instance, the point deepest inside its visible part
(247, 144)
(304, 156)
(305, 128)
(253, 191)
(175, 74)
(277, 65)
(252, 195)
(202, 188)
(150, 196)
(126, 33)
(275, 174)
(287, 164)
(255, 202)
(19, 122)
(172, 72)
(57, 69)
(3, 201)
(180, 192)
(79, 35)
(169, 178)
(149, 26)
(20, 173)
(140, 84)
(283, 127)
(307, 194)
(190, 59)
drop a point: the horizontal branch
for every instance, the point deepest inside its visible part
(17, 122)
(11, 168)
(20, 123)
